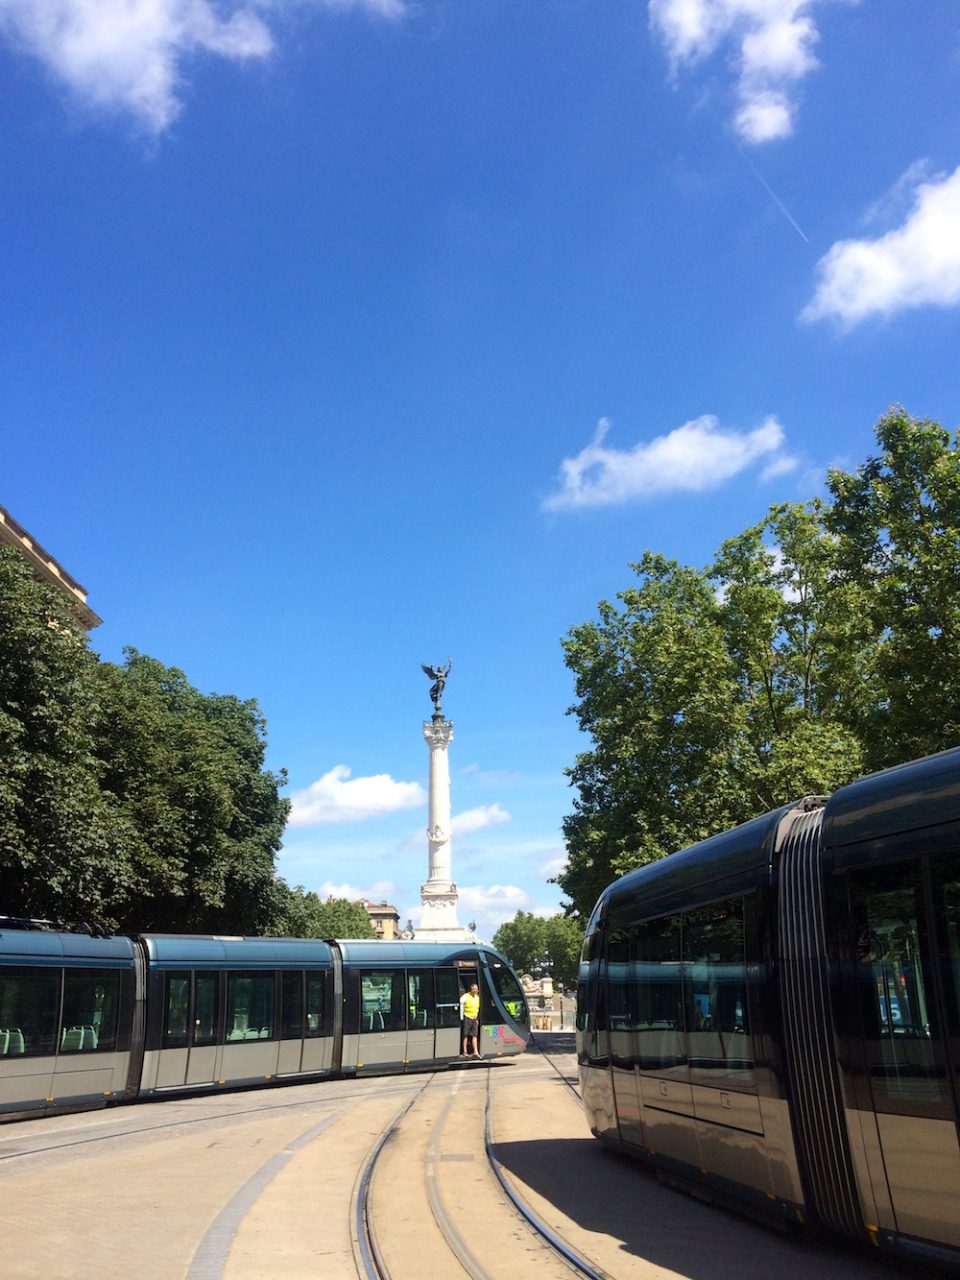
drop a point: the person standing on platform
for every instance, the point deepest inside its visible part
(470, 1022)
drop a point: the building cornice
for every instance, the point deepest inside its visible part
(47, 568)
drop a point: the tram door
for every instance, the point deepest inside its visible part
(189, 1047)
(447, 1039)
(383, 1018)
(907, 1010)
(422, 1016)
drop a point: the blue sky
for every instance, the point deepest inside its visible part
(341, 337)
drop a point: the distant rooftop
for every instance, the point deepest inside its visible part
(47, 568)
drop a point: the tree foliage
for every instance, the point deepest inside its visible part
(532, 943)
(201, 817)
(302, 913)
(820, 643)
(127, 798)
(61, 853)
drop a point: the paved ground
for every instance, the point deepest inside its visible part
(257, 1186)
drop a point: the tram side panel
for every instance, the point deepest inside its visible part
(677, 1040)
(894, 910)
(401, 1004)
(65, 1013)
(236, 1012)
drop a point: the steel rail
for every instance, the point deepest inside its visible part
(223, 1114)
(459, 1247)
(366, 1249)
(566, 1252)
(549, 1057)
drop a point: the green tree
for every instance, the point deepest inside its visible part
(563, 942)
(532, 943)
(201, 818)
(897, 525)
(302, 913)
(60, 852)
(522, 941)
(128, 799)
(819, 644)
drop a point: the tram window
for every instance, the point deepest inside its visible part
(655, 964)
(91, 1002)
(291, 1006)
(315, 1002)
(382, 999)
(29, 1008)
(715, 991)
(420, 998)
(510, 993)
(176, 1010)
(946, 892)
(619, 1001)
(448, 997)
(904, 1051)
(205, 1008)
(249, 1006)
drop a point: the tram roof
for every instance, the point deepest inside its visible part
(169, 948)
(704, 871)
(414, 953)
(909, 797)
(44, 944)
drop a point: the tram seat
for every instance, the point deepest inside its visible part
(15, 1042)
(4, 1041)
(89, 1040)
(264, 1033)
(71, 1040)
(253, 1033)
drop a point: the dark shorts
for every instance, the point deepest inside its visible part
(471, 1026)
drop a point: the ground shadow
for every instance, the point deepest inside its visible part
(613, 1195)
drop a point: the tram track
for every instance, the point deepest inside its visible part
(550, 1058)
(367, 1252)
(222, 1114)
(372, 1243)
(569, 1255)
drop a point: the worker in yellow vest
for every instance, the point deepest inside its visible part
(470, 1022)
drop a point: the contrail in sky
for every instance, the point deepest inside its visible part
(773, 196)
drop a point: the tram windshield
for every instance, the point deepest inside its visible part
(510, 992)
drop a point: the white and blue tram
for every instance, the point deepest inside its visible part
(86, 1021)
(772, 1017)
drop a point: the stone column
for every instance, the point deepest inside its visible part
(438, 894)
(439, 735)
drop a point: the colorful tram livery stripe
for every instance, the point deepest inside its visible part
(773, 1015)
(85, 1020)
(504, 1038)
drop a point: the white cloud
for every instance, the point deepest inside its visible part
(337, 798)
(126, 55)
(489, 906)
(775, 40)
(779, 466)
(484, 815)
(378, 891)
(552, 867)
(916, 264)
(491, 775)
(693, 457)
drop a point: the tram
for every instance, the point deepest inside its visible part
(86, 1021)
(772, 1017)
